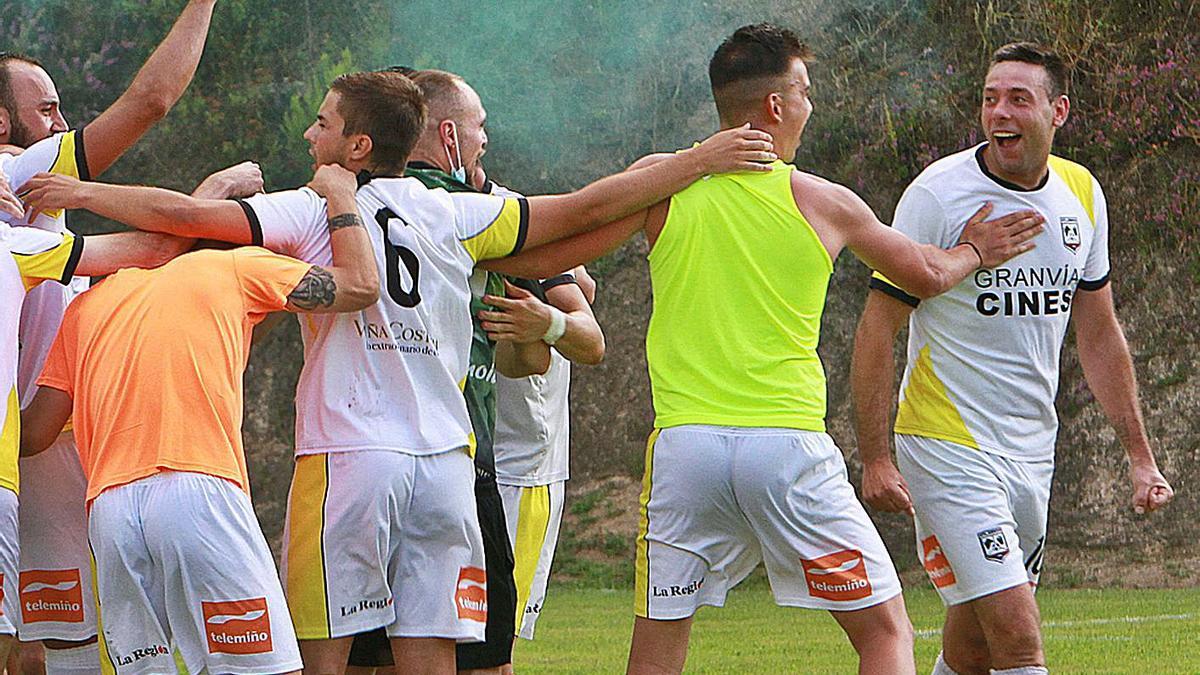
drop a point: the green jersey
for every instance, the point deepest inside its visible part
(480, 386)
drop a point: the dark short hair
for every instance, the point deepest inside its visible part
(7, 100)
(758, 50)
(386, 106)
(1038, 55)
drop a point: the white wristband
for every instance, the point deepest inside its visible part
(558, 326)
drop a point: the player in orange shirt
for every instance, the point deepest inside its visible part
(150, 365)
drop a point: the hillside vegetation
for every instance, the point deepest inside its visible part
(579, 89)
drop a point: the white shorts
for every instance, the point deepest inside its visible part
(9, 608)
(534, 514)
(56, 570)
(718, 500)
(379, 538)
(980, 518)
(180, 560)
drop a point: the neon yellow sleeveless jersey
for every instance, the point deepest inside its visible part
(739, 279)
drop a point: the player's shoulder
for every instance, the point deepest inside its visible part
(1070, 169)
(823, 198)
(499, 190)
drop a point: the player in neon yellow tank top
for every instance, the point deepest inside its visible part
(739, 468)
(759, 298)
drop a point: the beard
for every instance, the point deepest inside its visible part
(19, 134)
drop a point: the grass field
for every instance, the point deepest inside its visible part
(1086, 631)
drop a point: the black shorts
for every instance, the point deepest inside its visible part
(373, 650)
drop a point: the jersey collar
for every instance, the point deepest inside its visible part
(1007, 185)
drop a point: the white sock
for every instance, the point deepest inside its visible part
(83, 660)
(1023, 670)
(939, 667)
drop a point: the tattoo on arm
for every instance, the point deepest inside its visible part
(316, 289)
(344, 220)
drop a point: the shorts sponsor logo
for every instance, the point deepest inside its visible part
(366, 604)
(994, 544)
(470, 597)
(936, 565)
(136, 655)
(838, 576)
(1070, 232)
(237, 627)
(51, 595)
(687, 589)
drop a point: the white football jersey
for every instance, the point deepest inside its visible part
(390, 377)
(28, 256)
(983, 358)
(533, 426)
(44, 306)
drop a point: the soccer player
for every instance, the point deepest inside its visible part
(150, 364)
(29, 256)
(739, 469)
(454, 129)
(975, 428)
(532, 428)
(52, 531)
(531, 418)
(381, 418)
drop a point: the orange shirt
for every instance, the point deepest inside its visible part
(153, 360)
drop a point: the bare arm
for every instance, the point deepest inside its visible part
(556, 257)
(154, 90)
(105, 254)
(583, 341)
(44, 419)
(872, 384)
(352, 282)
(559, 216)
(522, 318)
(143, 208)
(1108, 368)
(920, 269)
(514, 359)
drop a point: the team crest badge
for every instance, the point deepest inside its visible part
(1070, 232)
(994, 544)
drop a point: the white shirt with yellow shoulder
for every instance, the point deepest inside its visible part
(983, 358)
(390, 377)
(28, 256)
(44, 306)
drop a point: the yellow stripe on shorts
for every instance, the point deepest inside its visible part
(641, 584)
(533, 519)
(307, 580)
(107, 667)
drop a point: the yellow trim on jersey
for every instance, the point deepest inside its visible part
(10, 442)
(503, 236)
(55, 263)
(1079, 180)
(641, 584)
(64, 164)
(533, 520)
(472, 443)
(926, 409)
(307, 576)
